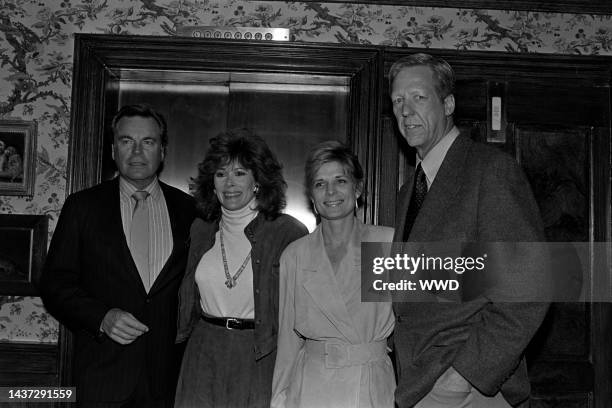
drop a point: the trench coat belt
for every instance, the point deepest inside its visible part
(338, 355)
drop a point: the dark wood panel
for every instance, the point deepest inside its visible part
(389, 166)
(28, 364)
(32, 379)
(576, 401)
(602, 354)
(557, 162)
(558, 103)
(470, 100)
(564, 334)
(560, 379)
(601, 201)
(31, 405)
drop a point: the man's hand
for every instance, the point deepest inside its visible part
(122, 327)
(453, 381)
(451, 390)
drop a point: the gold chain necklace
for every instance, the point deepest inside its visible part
(231, 281)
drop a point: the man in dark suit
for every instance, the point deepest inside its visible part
(113, 270)
(471, 353)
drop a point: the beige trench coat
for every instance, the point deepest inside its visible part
(331, 347)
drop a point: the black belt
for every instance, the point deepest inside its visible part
(229, 322)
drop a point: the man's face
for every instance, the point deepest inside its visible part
(137, 149)
(422, 116)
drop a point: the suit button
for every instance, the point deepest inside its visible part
(257, 291)
(258, 321)
(257, 261)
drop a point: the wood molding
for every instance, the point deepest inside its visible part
(101, 59)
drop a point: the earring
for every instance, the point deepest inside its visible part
(256, 189)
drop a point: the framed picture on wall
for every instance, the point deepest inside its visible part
(23, 245)
(17, 157)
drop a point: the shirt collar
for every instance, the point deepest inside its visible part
(127, 189)
(433, 160)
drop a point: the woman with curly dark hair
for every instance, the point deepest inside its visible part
(228, 301)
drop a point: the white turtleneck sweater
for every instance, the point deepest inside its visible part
(216, 298)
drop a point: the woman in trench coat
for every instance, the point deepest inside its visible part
(332, 348)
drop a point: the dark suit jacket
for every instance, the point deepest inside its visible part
(89, 270)
(479, 194)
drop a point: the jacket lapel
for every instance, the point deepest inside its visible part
(402, 208)
(114, 224)
(445, 186)
(179, 240)
(321, 284)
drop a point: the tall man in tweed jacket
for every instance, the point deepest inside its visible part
(468, 354)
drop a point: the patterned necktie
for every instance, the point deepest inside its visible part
(419, 192)
(139, 237)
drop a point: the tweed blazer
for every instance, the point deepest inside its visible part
(479, 195)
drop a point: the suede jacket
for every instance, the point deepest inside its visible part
(268, 239)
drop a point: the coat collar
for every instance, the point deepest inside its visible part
(179, 239)
(321, 283)
(115, 228)
(447, 183)
(203, 233)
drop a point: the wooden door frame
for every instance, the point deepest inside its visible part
(99, 59)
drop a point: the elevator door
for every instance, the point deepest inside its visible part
(291, 112)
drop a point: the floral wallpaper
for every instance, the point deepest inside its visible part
(36, 45)
(25, 319)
